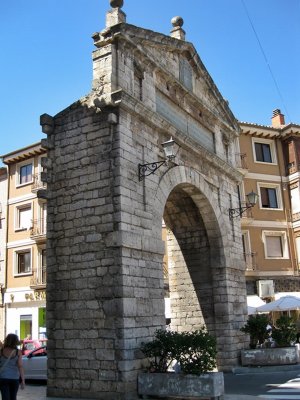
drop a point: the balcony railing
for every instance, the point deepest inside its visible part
(250, 260)
(39, 229)
(241, 160)
(37, 183)
(39, 278)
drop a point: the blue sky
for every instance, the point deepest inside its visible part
(46, 49)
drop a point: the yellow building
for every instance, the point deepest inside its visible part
(3, 208)
(270, 246)
(25, 296)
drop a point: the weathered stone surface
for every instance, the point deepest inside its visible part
(105, 283)
(209, 385)
(270, 356)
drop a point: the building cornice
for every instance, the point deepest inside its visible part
(266, 177)
(264, 131)
(249, 222)
(23, 153)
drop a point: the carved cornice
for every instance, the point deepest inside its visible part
(153, 119)
(137, 39)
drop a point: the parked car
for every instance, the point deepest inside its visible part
(35, 364)
(29, 344)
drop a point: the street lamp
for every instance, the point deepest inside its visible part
(252, 198)
(170, 148)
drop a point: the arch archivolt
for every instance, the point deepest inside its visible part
(195, 185)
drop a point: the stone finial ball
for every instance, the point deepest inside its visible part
(116, 3)
(177, 21)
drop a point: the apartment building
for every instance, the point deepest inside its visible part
(271, 229)
(25, 295)
(3, 206)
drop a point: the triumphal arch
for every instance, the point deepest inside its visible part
(110, 190)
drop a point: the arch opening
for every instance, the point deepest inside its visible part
(192, 253)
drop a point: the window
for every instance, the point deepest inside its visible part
(298, 248)
(264, 151)
(24, 173)
(23, 262)
(23, 217)
(246, 249)
(41, 271)
(269, 196)
(295, 199)
(25, 326)
(275, 244)
(43, 213)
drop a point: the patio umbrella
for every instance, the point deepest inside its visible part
(285, 303)
(253, 302)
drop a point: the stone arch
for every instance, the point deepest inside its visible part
(212, 215)
(199, 289)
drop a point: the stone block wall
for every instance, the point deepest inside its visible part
(105, 287)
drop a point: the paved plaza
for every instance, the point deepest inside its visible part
(38, 392)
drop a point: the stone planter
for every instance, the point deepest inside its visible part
(270, 356)
(207, 385)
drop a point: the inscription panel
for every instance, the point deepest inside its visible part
(184, 122)
(186, 74)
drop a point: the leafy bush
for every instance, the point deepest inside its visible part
(160, 351)
(197, 352)
(256, 328)
(194, 351)
(285, 331)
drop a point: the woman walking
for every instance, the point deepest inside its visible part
(11, 368)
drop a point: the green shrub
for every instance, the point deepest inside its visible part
(285, 331)
(197, 352)
(194, 351)
(256, 328)
(160, 350)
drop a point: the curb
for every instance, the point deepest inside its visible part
(242, 397)
(265, 369)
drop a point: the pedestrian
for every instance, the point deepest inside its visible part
(11, 368)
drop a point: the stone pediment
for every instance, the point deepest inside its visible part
(177, 66)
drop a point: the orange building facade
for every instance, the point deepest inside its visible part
(271, 229)
(25, 281)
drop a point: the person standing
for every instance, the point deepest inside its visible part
(11, 368)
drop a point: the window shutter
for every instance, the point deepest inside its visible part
(264, 197)
(25, 218)
(274, 246)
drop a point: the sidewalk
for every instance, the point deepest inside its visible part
(36, 392)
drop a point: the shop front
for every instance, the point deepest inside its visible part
(26, 313)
